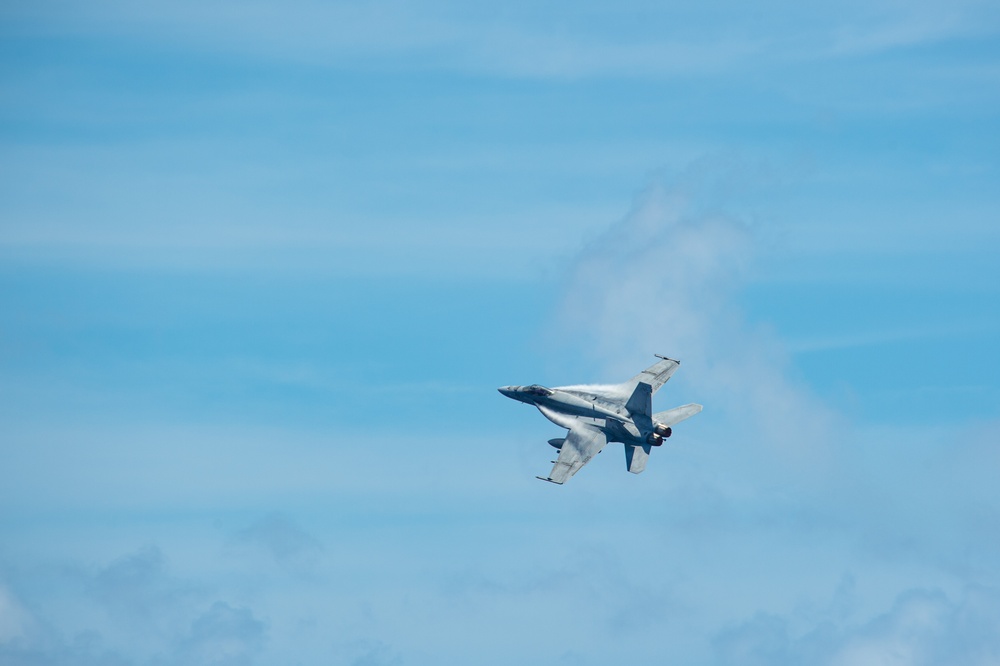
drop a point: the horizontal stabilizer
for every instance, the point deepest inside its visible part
(677, 414)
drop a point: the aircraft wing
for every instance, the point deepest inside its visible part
(582, 443)
(655, 375)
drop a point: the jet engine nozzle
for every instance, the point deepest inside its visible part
(662, 430)
(653, 439)
(557, 443)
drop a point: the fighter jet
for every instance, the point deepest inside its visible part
(596, 415)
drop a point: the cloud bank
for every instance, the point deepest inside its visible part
(896, 507)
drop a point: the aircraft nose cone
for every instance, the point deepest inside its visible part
(506, 390)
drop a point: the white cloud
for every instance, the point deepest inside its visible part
(437, 35)
(665, 280)
(14, 619)
(222, 636)
(524, 41)
(284, 542)
(923, 627)
(780, 471)
(132, 611)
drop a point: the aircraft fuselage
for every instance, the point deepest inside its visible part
(618, 424)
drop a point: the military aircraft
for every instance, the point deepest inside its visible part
(596, 415)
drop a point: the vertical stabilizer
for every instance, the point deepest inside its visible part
(636, 457)
(641, 400)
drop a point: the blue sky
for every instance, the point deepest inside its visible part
(263, 265)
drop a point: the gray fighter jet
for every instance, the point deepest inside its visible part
(596, 415)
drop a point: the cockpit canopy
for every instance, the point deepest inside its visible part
(535, 389)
